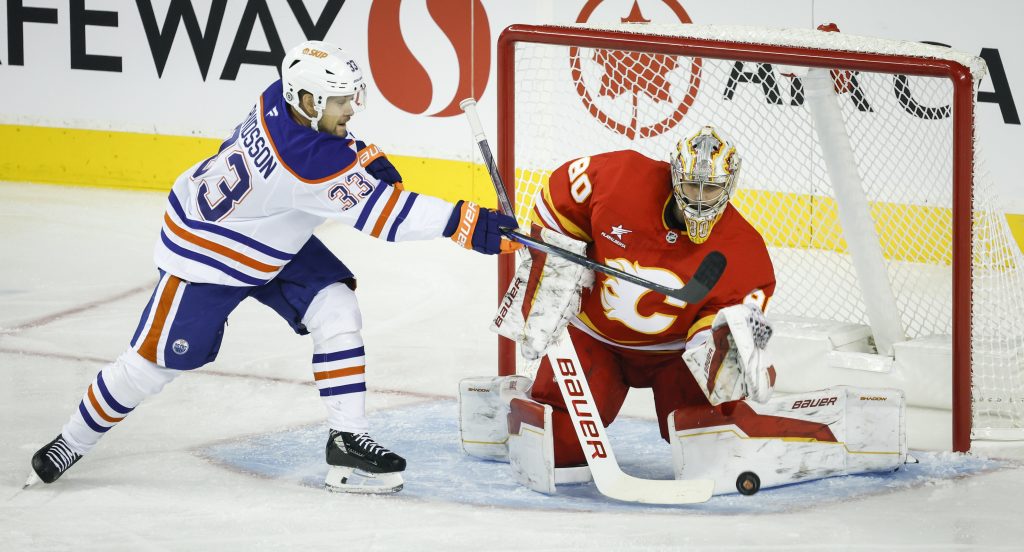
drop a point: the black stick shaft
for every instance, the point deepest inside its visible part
(708, 273)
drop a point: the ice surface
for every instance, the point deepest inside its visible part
(227, 457)
(427, 434)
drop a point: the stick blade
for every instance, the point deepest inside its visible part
(651, 491)
(705, 278)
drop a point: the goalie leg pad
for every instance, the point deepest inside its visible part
(837, 431)
(483, 409)
(531, 449)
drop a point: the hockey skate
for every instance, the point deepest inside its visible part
(359, 465)
(51, 461)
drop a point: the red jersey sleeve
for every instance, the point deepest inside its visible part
(563, 204)
(566, 201)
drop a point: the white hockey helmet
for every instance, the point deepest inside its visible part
(324, 70)
(708, 165)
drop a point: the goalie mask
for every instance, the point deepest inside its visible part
(705, 167)
(325, 71)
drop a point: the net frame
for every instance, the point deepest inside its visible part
(785, 47)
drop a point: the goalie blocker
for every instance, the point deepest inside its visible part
(543, 296)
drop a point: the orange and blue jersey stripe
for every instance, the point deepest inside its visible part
(156, 318)
(187, 242)
(390, 197)
(104, 409)
(340, 372)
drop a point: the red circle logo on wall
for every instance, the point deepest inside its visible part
(642, 77)
(399, 75)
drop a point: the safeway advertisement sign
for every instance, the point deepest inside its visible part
(399, 74)
(194, 68)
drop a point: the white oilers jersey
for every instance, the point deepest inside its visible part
(238, 217)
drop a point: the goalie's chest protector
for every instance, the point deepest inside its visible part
(629, 232)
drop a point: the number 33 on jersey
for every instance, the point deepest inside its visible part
(239, 216)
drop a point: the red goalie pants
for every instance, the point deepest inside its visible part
(611, 371)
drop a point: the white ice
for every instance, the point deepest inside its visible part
(226, 458)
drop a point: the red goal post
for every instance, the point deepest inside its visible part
(700, 48)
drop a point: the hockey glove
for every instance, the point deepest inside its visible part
(377, 164)
(479, 228)
(733, 361)
(543, 296)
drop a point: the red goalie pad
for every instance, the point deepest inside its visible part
(610, 375)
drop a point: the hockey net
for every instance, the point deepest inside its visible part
(860, 171)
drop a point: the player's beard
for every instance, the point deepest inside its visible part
(340, 127)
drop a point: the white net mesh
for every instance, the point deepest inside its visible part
(574, 101)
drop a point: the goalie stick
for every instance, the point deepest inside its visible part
(609, 478)
(707, 274)
(705, 277)
(604, 468)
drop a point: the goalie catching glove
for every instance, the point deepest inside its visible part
(732, 362)
(544, 295)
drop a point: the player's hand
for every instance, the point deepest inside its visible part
(377, 164)
(480, 229)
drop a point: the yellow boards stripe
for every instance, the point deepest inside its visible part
(98, 158)
(152, 162)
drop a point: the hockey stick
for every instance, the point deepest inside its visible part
(706, 276)
(609, 478)
(590, 430)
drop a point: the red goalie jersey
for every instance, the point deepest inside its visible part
(619, 203)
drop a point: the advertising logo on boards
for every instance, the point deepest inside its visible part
(631, 93)
(403, 80)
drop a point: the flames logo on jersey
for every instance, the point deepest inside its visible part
(621, 299)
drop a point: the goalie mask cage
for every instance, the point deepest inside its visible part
(859, 170)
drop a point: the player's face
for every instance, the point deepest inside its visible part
(702, 197)
(337, 112)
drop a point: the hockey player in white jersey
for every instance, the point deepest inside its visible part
(240, 224)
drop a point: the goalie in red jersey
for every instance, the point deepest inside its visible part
(656, 220)
(706, 362)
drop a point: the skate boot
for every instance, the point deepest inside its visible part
(51, 461)
(359, 465)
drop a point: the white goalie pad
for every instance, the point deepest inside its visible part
(543, 296)
(531, 449)
(483, 409)
(744, 446)
(733, 363)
